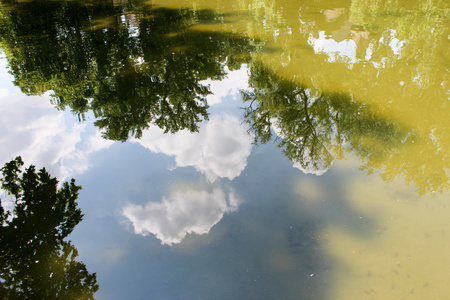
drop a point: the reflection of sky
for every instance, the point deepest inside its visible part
(276, 246)
(268, 245)
(229, 87)
(337, 51)
(219, 150)
(345, 50)
(43, 136)
(342, 235)
(181, 213)
(322, 169)
(265, 250)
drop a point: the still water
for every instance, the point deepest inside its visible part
(241, 149)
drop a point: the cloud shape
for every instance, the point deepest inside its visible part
(229, 87)
(35, 130)
(344, 50)
(322, 169)
(181, 213)
(219, 150)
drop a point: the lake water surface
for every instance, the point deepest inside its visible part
(241, 149)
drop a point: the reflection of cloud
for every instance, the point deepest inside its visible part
(96, 142)
(3, 92)
(181, 213)
(337, 51)
(228, 87)
(35, 130)
(219, 149)
(394, 43)
(322, 168)
(342, 48)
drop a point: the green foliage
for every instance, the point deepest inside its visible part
(314, 127)
(133, 70)
(35, 260)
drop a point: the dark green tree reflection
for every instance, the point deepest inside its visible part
(132, 65)
(35, 260)
(314, 128)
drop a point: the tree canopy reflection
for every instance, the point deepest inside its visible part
(131, 68)
(36, 262)
(314, 128)
(135, 65)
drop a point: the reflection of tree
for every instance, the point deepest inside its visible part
(418, 30)
(143, 68)
(394, 54)
(316, 128)
(35, 260)
(396, 66)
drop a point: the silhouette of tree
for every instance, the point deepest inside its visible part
(35, 260)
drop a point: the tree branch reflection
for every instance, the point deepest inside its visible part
(131, 69)
(314, 128)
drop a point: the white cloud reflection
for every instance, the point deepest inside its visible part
(229, 87)
(219, 150)
(344, 50)
(35, 130)
(181, 213)
(322, 169)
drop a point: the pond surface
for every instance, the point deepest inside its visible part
(241, 149)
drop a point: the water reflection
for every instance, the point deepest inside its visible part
(33, 129)
(374, 53)
(144, 68)
(342, 80)
(152, 66)
(181, 213)
(366, 54)
(316, 128)
(219, 150)
(36, 260)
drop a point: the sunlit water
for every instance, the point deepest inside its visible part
(355, 93)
